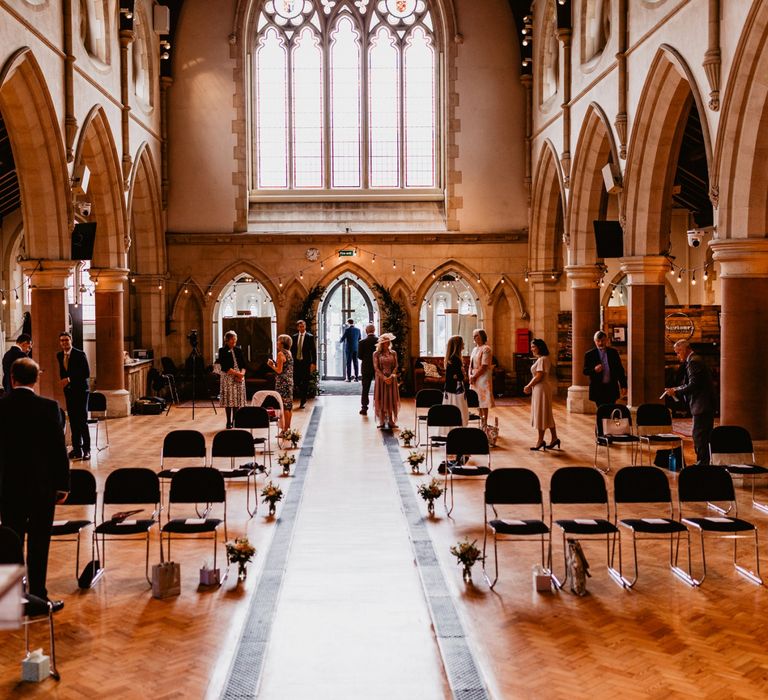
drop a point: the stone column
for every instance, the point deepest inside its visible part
(585, 304)
(150, 313)
(646, 310)
(110, 381)
(50, 316)
(545, 305)
(743, 333)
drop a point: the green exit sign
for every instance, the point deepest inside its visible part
(346, 253)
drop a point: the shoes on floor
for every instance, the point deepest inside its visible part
(86, 455)
(302, 404)
(74, 455)
(349, 380)
(363, 411)
(56, 605)
(357, 379)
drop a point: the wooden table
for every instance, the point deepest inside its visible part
(136, 378)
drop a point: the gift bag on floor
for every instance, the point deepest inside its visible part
(166, 578)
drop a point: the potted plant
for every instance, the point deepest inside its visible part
(291, 434)
(415, 459)
(240, 551)
(271, 494)
(466, 554)
(406, 436)
(285, 460)
(429, 492)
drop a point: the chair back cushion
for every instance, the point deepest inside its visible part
(426, 398)
(232, 443)
(132, 485)
(184, 443)
(444, 415)
(252, 417)
(653, 414)
(577, 485)
(11, 551)
(197, 485)
(467, 441)
(512, 485)
(97, 401)
(730, 439)
(641, 485)
(82, 488)
(705, 484)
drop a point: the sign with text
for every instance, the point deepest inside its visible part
(347, 253)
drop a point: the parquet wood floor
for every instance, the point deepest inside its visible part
(661, 640)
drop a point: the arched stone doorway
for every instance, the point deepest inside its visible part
(347, 297)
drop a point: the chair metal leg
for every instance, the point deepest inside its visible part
(751, 575)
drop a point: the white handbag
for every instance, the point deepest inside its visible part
(617, 424)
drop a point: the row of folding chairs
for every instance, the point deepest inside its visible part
(426, 399)
(200, 488)
(585, 487)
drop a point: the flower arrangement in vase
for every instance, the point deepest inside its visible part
(292, 435)
(466, 554)
(429, 492)
(240, 551)
(271, 494)
(285, 461)
(406, 436)
(415, 459)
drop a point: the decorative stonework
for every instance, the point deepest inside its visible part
(711, 66)
(743, 257)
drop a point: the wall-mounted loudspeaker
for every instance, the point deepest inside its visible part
(161, 19)
(83, 236)
(609, 239)
(612, 179)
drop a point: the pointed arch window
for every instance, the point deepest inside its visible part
(344, 98)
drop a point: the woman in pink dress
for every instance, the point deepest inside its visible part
(481, 373)
(386, 394)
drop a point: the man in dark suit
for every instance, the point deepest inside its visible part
(23, 348)
(74, 373)
(698, 391)
(34, 469)
(351, 340)
(304, 360)
(365, 351)
(607, 378)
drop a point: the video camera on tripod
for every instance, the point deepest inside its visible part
(192, 338)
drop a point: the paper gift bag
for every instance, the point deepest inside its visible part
(166, 579)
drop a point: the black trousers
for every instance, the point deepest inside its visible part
(702, 429)
(605, 393)
(301, 379)
(32, 515)
(366, 389)
(351, 359)
(77, 412)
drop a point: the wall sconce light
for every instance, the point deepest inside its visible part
(126, 12)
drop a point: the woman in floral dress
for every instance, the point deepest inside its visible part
(481, 373)
(231, 376)
(284, 380)
(386, 393)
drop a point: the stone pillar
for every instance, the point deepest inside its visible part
(50, 316)
(545, 305)
(110, 380)
(646, 311)
(585, 304)
(743, 333)
(150, 313)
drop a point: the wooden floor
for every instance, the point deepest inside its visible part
(661, 640)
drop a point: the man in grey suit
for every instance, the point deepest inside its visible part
(698, 391)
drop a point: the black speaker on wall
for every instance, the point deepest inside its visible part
(609, 239)
(83, 236)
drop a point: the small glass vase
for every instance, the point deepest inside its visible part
(294, 444)
(286, 470)
(431, 507)
(416, 467)
(272, 509)
(242, 571)
(406, 443)
(466, 573)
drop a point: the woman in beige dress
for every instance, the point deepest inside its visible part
(481, 373)
(540, 391)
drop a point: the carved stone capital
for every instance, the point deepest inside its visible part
(645, 269)
(711, 65)
(621, 130)
(584, 276)
(742, 257)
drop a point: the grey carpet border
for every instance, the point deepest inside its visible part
(461, 669)
(248, 662)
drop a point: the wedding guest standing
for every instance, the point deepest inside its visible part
(23, 348)
(232, 378)
(455, 387)
(386, 395)
(607, 378)
(540, 391)
(481, 373)
(306, 359)
(365, 352)
(74, 373)
(283, 367)
(351, 341)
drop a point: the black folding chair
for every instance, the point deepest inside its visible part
(34, 609)
(426, 398)
(134, 486)
(730, 446)
(82, 492)
(619, 421)
(464, 442)
(440, 416)
(654, 427)
(182, 444)
(581, 486)
(713, 484)
(648, 485)
(235, 444)
(196, 485)
(252, 418)
(97, 404)
(514, 487)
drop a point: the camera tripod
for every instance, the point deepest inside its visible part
(195, 358)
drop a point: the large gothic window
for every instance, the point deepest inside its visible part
(345, 97)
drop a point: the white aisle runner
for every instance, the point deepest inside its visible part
(351, 620)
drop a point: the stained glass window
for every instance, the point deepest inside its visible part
(344, 97)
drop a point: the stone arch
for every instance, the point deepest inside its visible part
(653, 149)
(96, 150)
(504, 325)
(595, 147)
(742, 140)
(180, 297)
(351, 267)
(188, 312)
(548, 211)
(480, 289)
(146, 239)
(38, 150)
(239, 267)
(510, 291)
